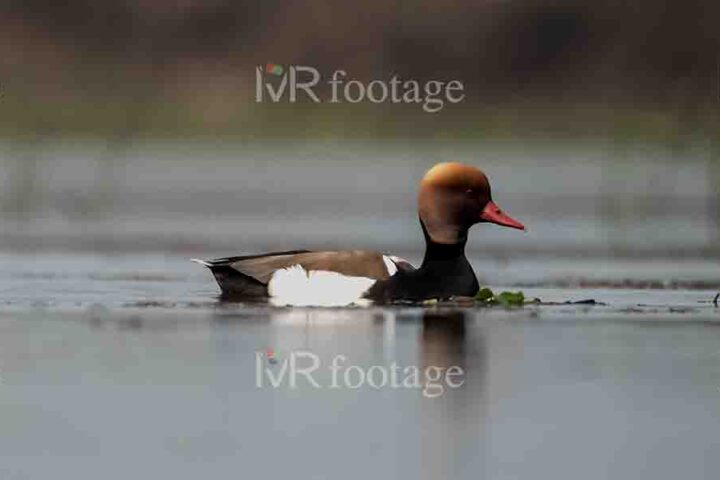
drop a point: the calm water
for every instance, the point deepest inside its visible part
(117, 360)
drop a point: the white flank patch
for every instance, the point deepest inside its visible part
(297, 287)
(390, 264)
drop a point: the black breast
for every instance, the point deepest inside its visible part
(439, 278)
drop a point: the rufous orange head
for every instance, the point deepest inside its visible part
(453, 197)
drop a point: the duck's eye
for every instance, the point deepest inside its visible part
(470, 191)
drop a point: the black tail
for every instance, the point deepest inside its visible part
(234, 285)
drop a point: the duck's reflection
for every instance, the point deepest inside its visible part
(443, 339)
(441, 427)
(450, 340)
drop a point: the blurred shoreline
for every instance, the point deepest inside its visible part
(561, 120)
(645, 71)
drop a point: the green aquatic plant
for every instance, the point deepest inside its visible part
(487, 298)
(484, 295)
(506, 299)
(511, 299)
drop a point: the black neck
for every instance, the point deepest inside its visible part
(442, 252)
(444, 273)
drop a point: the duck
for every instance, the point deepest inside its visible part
(452, 198)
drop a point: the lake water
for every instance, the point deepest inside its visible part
(117, 359)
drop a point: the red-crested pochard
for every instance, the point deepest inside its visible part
(453, 197)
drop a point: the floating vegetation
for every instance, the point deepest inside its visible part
(487, 298)
(506, 299)
(484, 297)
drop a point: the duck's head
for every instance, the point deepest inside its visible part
(453, 197)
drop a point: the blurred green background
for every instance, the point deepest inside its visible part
(567, 70)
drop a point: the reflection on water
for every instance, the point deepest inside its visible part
(544, 397)
(449, 421)
(443, 339)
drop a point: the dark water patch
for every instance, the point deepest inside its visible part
(588, 301)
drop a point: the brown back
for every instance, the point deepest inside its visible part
(354, 263)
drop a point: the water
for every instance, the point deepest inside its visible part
(549, 391)
(208, 199)
(117, 360)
